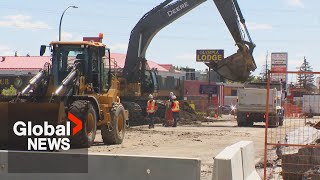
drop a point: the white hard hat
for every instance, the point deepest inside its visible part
(174, 97)
(150, 96)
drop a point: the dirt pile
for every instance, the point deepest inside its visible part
(189, 116)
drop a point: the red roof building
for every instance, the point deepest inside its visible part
(32, 64)
(23, 62)
(121, 58)
(168, 67)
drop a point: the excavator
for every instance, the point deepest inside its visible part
(77, 83)
(139, 81)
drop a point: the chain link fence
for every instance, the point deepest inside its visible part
(292, 151)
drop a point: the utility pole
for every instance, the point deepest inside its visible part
(305, 69)
(266, 73)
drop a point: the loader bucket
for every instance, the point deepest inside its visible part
(36, 113)
(236, 67)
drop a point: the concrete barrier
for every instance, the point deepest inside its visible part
(100, 166)
(228, 165)
(236, 162)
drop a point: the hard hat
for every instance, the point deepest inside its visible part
(174, 97)
(150, 96)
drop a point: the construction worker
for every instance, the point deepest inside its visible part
(175, 108)
(168, 113)
(151, 110)
(170, 95)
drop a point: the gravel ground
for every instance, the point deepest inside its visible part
(202, 141)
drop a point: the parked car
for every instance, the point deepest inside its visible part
(227, 109)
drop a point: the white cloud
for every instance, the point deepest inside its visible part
(66, 36)
(6, 51)
(296, 3)
(121, 47)
(22, 22)
(4, 47)
(186, 56)
(256, 26)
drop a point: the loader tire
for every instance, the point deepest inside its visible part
(115, 135)
(84, 111)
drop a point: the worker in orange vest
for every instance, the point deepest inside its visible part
(175, 108)
(168, 113)
(151, 110)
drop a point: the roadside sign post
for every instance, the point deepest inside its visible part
(210, 57)
(209, 95)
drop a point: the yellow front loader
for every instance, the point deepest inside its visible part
(78, 81)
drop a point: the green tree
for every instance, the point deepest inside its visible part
(305, 81)
(9, 92)
(264, 73)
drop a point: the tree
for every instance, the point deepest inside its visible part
(255, 79)
(264, 70)
(9, 92)
(251, 79)
(305, 81)
(264, 73)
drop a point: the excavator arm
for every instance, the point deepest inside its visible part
(170, 10)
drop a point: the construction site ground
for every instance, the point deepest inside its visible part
(202, 140)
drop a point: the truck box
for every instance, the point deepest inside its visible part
(252, 107)
(254, 100)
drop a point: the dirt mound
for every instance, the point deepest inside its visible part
(188, 115)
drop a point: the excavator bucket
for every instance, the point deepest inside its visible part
(36, 113)
(236, 67)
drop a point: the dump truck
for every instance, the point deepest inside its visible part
(252, 107)
(77, 85)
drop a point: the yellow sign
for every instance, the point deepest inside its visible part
(210, 55)
(4, 81)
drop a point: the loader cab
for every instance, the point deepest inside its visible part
(89, 54)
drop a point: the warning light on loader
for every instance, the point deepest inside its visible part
(101, 35)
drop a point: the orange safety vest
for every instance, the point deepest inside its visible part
(151, 106)
(176, 106)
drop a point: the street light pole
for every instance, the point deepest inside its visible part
(61, 20)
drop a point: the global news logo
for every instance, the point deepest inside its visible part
(44, 137)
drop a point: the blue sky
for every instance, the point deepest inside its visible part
(275, 26)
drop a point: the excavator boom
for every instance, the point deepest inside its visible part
(235, 67)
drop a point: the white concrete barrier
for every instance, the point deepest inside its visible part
(100, 167)
(228, 165)
(236, 162)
